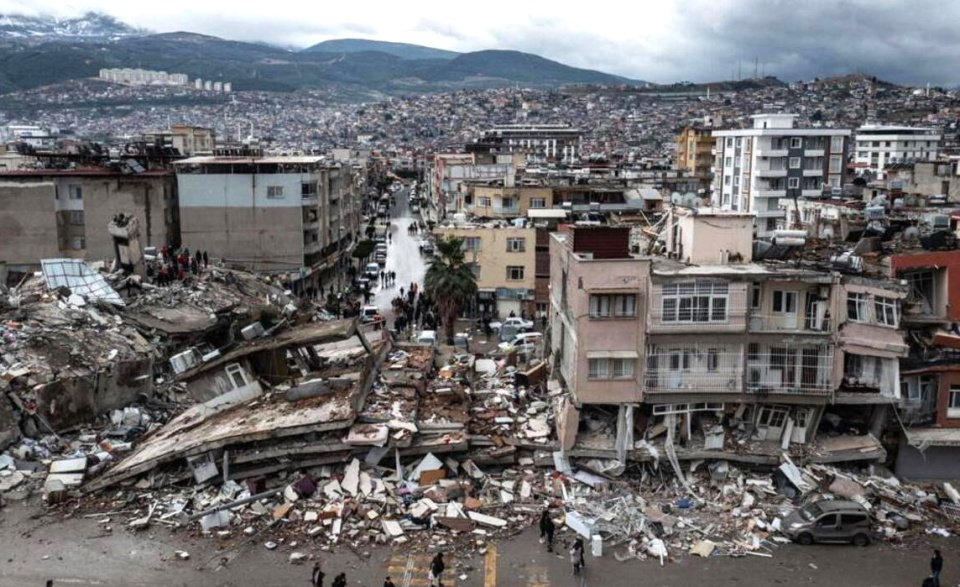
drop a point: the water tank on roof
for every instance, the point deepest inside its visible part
(898, 204)
(676, 198)
(874, 212)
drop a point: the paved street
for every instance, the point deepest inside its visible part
(403, 256)
(76, 551)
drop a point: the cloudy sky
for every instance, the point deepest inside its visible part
(906, 41)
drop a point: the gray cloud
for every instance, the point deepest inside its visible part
(903, 41)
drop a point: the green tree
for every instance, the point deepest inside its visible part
(449, 282)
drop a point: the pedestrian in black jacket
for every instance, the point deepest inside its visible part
(317, 576)
(436, 570)
(936, 565)
(340, 580)
(547, 528)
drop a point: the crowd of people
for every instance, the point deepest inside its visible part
(176, 264)
(415, 310)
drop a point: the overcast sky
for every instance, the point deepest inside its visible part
(906, 41)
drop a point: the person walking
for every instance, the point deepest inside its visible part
(576, 555)
(436, 570)
(340, 580)
(317, 577)
(936, 566)
(206, 260)
(547, 529)
(579, 541)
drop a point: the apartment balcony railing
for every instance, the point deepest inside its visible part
(789, 323)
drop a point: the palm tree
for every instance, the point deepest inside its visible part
(449, 281)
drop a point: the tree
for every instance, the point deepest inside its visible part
(449, 282)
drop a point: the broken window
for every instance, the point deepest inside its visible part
(238, 377)
(922, 290)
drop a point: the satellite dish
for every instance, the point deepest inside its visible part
(898, 203)
(689, 199)
(675, 198)
(911, 233)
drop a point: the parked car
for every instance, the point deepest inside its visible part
(512, 321)
(372, 271)
(426, 245)
(526, 342)
(380, 257)
(370, 314)
(830, 520)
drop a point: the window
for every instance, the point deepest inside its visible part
(680, 359)
(76, 192)
(483, 201)
(76, 217)
(471, 243)
(538, 202)
(726, 180)
(857, 307)
(78, 243)
(756, 297)
(701, 301)
(619, 306)
(308, 190)
(795, 162)
(610, 368)
(728, 162)
(275, 191)
(886, 311)
(772, 417)
(953, 408)
(729, 142)
(713, 359)
(785, 302)
(237, 377)
(847, 520)
(836, 144)
(793, 182)
(514, 272)
(796, 143)
(516, 245)
(835, 163)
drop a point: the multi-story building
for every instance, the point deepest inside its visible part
(695, 153)
(448, 172)
(878, 146)
(710, 343)
(539, 142)
(292, 215)
(504, 261)
(763, 169)
(498, 201)
(65, 213)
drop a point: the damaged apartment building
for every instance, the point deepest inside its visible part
(708, 350)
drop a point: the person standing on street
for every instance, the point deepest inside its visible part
(936, 565)
(389, 583)
(576, 555)
(436, 570)
(340, 580)
(547, 528)
(317, 576)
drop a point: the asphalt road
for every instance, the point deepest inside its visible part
(403, 256)
(76, 551)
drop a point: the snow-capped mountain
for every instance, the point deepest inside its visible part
(92, 26)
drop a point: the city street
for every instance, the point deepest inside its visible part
(403, 255)
(76, 551)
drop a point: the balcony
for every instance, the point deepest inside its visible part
(311, 224)
(309, 202)
(771, 152)
(818, 152)
(507, 210)
(778, 213)
(792, 323)
(761, 172)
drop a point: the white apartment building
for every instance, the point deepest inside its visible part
(755, 168)
(878, 146)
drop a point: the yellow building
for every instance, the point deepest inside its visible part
(508, 202)
(505, 265)
(695, 152)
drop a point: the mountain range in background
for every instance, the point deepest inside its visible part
(41, 51)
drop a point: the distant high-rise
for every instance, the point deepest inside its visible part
(755, 167)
